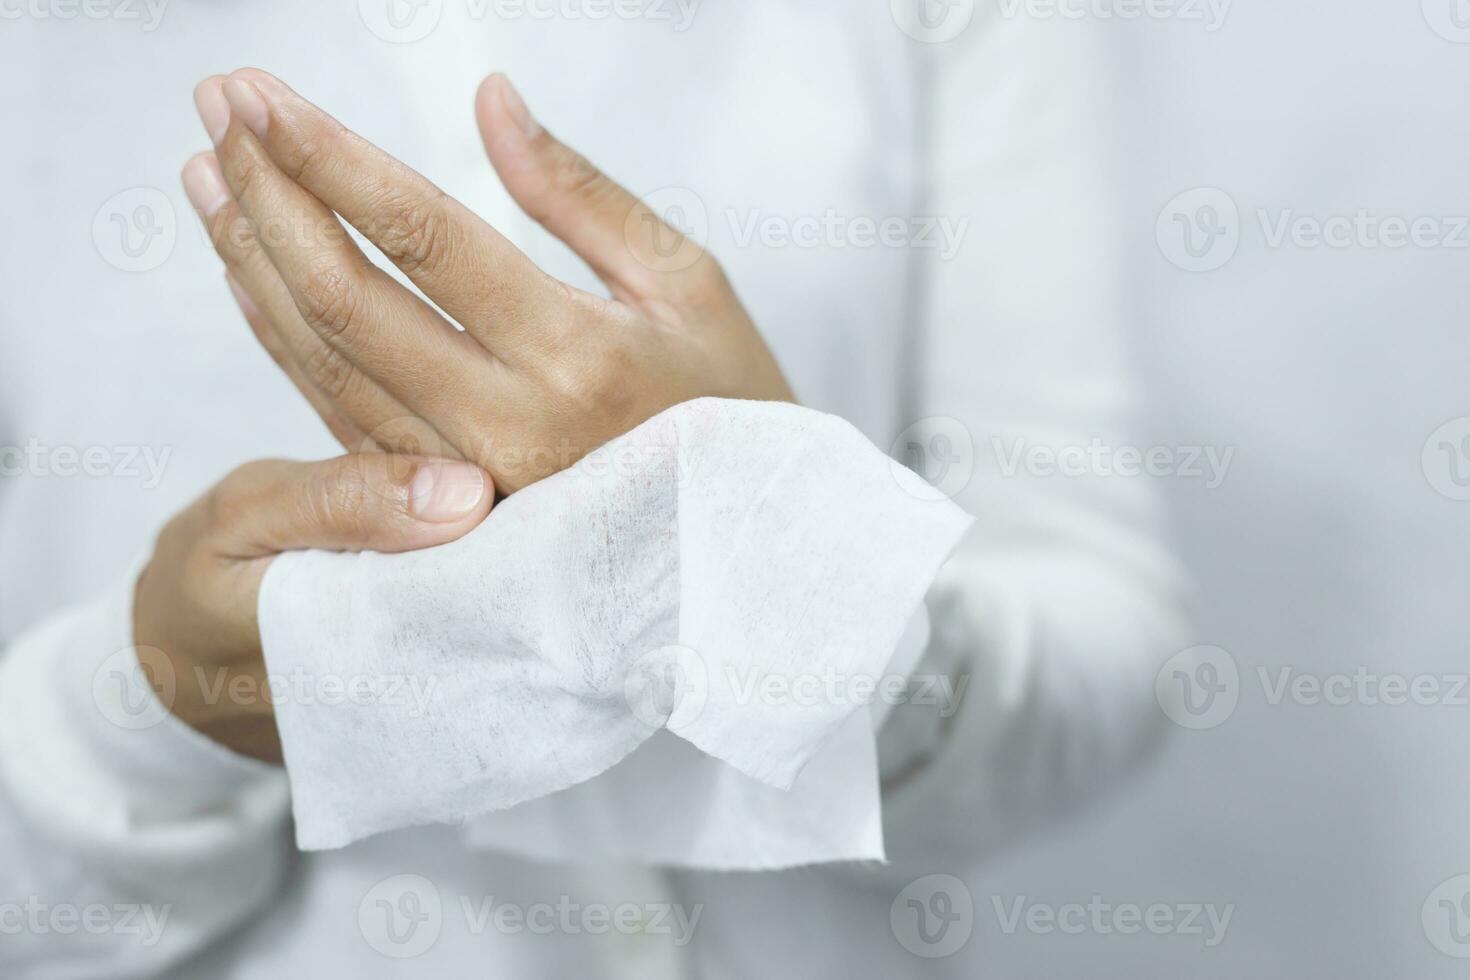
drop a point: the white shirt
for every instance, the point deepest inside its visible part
(781, 120)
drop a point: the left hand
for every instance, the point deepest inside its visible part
(542, 373)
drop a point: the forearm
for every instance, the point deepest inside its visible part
(1064, 599)
(1051, 652)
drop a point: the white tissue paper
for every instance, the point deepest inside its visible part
(657, 655)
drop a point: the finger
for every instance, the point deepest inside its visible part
(364, 502)
(465, 266)
(635, 252)
(343, 429)
(236, 246)
(391, 427)
(357, 309)
(358, 411)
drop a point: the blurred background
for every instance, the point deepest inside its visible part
(1337, 545)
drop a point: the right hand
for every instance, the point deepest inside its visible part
(542, 373)
(195, 604)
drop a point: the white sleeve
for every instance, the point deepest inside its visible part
(129, 841)
(1061, 603)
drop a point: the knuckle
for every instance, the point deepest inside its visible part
(233, 237)
(417, 236)
(338, 499)
(232, 499)
(332, 373)
(242, 173)
(591, 381)
(579, 177)
(567, 311)
(314, 151)
(239, 237)
(329, 301)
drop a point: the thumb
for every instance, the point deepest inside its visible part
(363, 502)
(639, 255)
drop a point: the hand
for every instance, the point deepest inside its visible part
(542, 373)
(196, 600)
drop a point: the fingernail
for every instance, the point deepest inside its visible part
(205, 185)
(214, 111)
(247, 305)
(269, 83)
(247, 102)
(444, 492)
(516, 107)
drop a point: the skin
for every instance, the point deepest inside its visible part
(541, 373)
(440, 419)
(194, 610)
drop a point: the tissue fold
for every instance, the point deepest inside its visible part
(720, 583)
